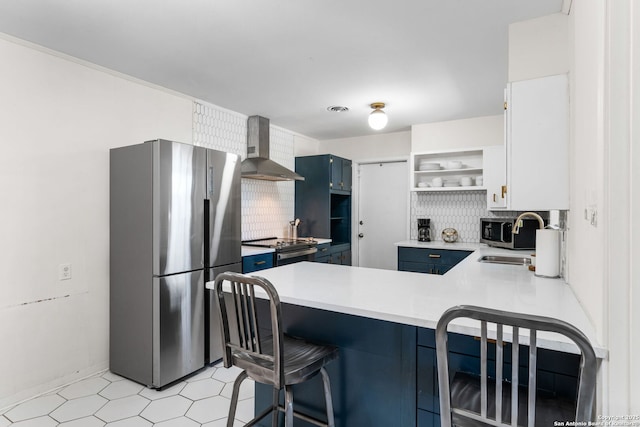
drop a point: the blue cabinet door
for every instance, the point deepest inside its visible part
(257, 262)
(432, 261)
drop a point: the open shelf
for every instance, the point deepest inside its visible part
(472, 167)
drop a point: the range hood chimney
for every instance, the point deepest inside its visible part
(258, 165)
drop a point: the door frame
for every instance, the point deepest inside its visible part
(355, 199)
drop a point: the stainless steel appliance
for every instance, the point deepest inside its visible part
(498, 232)
(287, 251)
(424, 230)
(175, 224)
(258, 165)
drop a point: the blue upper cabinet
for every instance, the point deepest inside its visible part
(340, 174)
(323, 201)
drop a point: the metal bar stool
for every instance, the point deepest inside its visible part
(263, 351)
(472, 400)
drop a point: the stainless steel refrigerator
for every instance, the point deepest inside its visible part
(174, 225)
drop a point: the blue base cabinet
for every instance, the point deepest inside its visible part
(386, 374)
(257, 262)
(372, 381)
(334, 254)
(340, 254)
(324, 253)
(431, 261)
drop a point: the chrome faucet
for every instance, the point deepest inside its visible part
(516, 228)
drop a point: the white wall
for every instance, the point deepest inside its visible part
(58, 120)
(372, 147)
(465, 133)
(586, 241)
(304, 146)
(606, 56)
(605, 60)
(538, 47)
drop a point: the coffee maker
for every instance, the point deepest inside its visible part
(424, 230)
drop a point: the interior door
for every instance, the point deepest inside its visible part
(382, 207)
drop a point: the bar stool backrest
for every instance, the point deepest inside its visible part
(243, 335)
(586, 380)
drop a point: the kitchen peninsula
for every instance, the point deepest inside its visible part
(383, 322)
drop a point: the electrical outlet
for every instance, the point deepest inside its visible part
(64, 271)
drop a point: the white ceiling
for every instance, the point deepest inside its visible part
(288, 60)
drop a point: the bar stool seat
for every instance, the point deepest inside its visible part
(302, 361)
(256, 343)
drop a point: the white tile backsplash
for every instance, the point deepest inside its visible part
(267, 207)
(461, 210)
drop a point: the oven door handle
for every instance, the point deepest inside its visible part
(293, 254)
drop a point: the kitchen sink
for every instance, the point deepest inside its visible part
(501, 259)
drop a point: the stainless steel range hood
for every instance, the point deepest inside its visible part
(258, 165)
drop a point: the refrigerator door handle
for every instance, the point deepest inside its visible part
(206, 229)
(211, 182)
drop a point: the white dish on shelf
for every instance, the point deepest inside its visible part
(423, 184)
(428, 166)
(452, 183)
(453, 164)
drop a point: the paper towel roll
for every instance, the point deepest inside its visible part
(548, 253)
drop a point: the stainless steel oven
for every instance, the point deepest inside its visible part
(288, 251)
(290, 257)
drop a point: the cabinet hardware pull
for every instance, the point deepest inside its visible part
(434, 256)
(260, 263)
(489, 340)
(504, 190)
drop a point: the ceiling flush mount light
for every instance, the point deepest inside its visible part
(377, 119)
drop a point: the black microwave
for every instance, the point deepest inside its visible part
(498, 232)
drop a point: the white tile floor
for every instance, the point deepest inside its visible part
(109, 400)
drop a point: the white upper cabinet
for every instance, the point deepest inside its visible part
(537, 147)
(495, 177)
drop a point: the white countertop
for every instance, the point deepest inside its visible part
(439, 244)
(321, 241)
(420, 299)
(253, 250)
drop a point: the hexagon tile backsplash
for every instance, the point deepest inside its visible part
(267, 207)
(461, 210)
